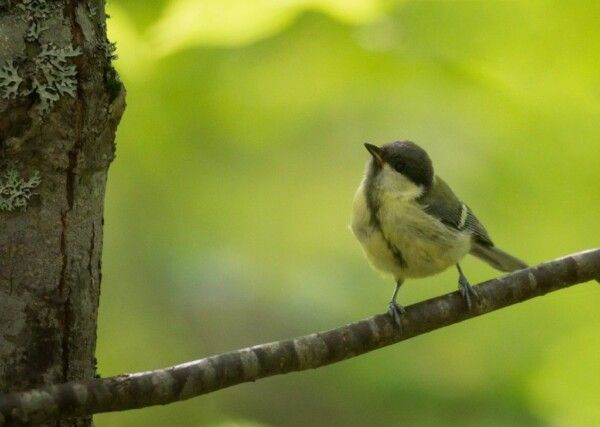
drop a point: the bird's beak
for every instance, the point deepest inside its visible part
(375, 152)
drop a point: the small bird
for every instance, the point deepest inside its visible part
(410, 223)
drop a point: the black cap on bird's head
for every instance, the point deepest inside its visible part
(406, 158)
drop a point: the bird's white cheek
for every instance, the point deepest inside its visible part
(394, 182)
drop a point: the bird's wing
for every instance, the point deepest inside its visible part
(441, 203)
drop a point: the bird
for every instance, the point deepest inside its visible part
(410, 223)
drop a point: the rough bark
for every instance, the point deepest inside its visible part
(308, 352)
(60, 103)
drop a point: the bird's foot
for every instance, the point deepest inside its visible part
(396, 311)
(467, 291)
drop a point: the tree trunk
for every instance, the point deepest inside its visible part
(60, 103)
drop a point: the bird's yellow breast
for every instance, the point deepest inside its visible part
(425, 243)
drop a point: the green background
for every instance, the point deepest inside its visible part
(238, 157)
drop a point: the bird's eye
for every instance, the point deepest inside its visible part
(399, 166)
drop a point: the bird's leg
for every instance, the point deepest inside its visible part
(465, 287)
(395, 309)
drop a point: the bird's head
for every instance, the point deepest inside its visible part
(400, 166)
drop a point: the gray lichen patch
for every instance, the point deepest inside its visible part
(41, 63)
(55, 76)
(37, 50)
(16, 191)
(9, 81)
(36, 12)
(37, 9)
(34, 31)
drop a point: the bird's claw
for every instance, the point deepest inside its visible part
(467, 291)
(396, 311)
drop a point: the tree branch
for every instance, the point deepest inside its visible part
(81, 398)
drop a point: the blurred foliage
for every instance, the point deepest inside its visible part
(238, 157)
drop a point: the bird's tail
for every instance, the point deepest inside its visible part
(497, 258)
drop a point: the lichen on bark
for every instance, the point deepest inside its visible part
(15, 191)
(10, 80)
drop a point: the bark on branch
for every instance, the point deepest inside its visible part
(162, 386)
